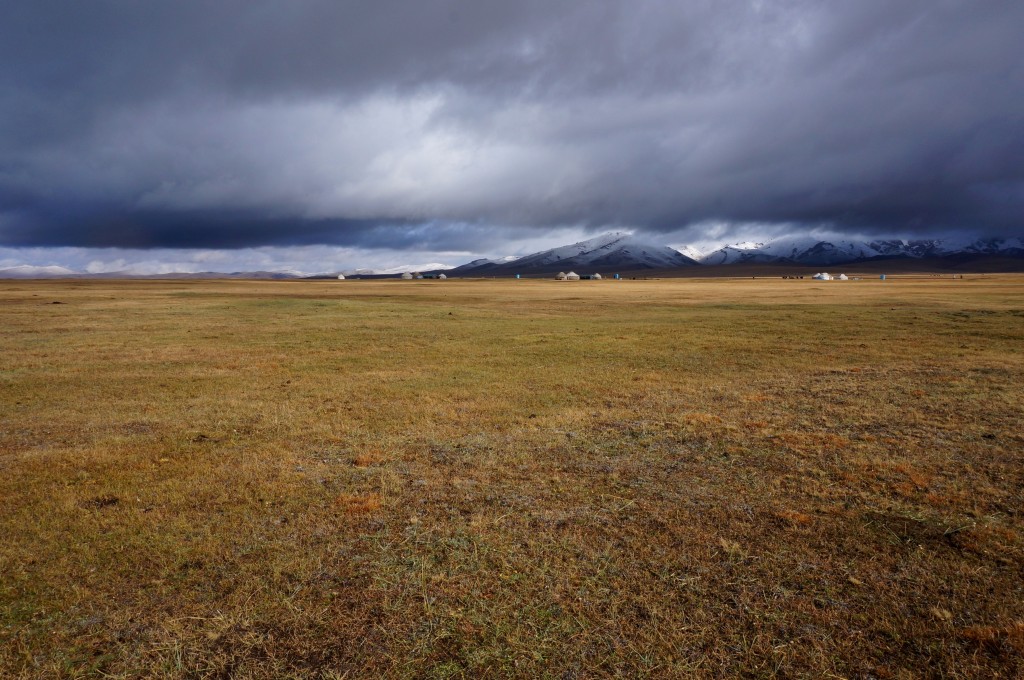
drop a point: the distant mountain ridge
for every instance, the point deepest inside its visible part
(28, 271)
(808, 250)
(607, 251)
(625, 252)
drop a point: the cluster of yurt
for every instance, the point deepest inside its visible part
(825, 276)
(571, 276)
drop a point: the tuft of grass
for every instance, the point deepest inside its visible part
(354, 504)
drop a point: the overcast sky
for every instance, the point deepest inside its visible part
(407, 131)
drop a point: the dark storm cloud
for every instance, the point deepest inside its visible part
(191, 229)
(445, 124)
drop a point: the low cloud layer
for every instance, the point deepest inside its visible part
(464, 127)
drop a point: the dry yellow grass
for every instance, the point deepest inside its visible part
(512, 478)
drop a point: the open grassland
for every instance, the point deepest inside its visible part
(512, 479)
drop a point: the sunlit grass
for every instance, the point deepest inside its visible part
(513, 478)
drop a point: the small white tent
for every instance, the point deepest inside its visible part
(572, 276)
(341, 277)
(844, 277)
(823, 276)
(560, 276)
(596, 276)
(442, 276)
(407, 276)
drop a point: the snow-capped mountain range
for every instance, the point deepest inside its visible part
(810, 250)
(627, 252)
(484, 262)
(607, 251)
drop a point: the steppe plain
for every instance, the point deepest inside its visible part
(670, 478)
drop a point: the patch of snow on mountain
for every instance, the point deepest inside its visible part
(690, 252)
(736, 252)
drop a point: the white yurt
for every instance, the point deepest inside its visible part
(442, 276)
(844, 277)
(407, 276)
(596, 276)
(572, 276)
(560, 276)
(341, 277)
(823, 276)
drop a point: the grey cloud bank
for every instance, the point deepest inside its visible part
(469, 127)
